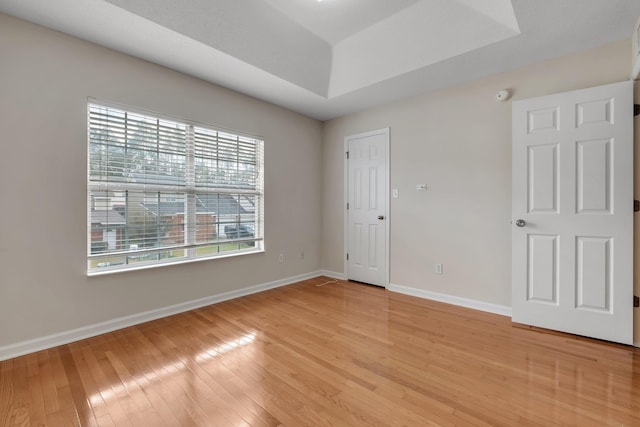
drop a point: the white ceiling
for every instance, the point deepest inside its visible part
(328, 58)
(335, 20)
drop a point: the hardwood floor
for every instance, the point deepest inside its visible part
(341, 354)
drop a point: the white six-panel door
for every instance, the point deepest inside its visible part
(366, 224)
(572, 228)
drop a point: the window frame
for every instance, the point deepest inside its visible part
(192, 191)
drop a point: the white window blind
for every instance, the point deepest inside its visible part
(165, 191)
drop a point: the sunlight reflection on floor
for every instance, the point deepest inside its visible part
(170, 369)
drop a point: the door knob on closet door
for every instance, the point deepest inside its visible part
(380, 217)
(520, 223)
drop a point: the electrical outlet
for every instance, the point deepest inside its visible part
(439, 269)
(281, 258)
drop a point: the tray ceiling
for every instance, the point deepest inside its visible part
(332, 57)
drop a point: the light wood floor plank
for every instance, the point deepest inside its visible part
(338, 354)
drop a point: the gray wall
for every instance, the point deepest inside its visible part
(458, 142)
(45, 79)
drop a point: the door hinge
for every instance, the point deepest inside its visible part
(636, 110)
(636, 205)
(347, 206)
(347, 257)
(347, 155)
(636, 301)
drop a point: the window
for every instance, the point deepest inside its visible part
(164, 191)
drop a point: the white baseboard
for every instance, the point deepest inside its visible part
(462, 302)
(450, 299)
(25, 347)
(333, 274)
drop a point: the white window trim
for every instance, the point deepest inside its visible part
(190, 190)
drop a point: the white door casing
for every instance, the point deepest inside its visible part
(572, 259)
(366, 204)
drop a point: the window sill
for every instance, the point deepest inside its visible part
(107, 271)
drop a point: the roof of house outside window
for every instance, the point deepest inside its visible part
(215, 204)
(104, 217)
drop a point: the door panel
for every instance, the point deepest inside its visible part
(366, 224)
(594, 273)
(594, 113)
(594, 176)
(542, 120)
(572, 265)
(543, 178)
(543, 269)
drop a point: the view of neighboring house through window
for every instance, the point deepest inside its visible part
(163, 191)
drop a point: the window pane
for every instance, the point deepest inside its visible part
(135, 220)
(119, 261)
(127, 147)
(225, 217)
(161, 190)
(224, 248)
(225, 160)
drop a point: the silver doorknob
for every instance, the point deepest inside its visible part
(520, 223)
(380, 217)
